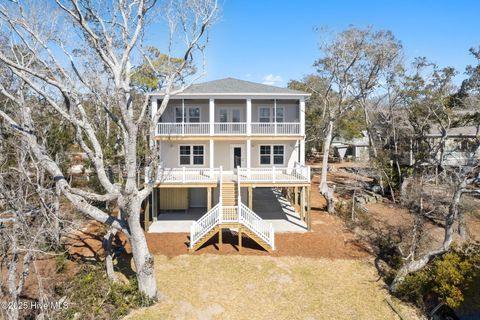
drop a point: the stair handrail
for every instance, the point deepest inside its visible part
(203, 225)
(257, 225)
(239, 195)
(220, 194)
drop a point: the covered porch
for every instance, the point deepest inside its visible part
(268, 203)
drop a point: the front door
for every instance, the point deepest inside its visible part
(236, 156)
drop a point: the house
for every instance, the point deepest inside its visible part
(230, 150)
(461, 145)
(356, 149)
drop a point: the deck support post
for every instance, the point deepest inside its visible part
(239, 239)
(209, 198)
(250, 198)
(155, 202)
(220, 234)
(295, 197)
(309, 210)
(302, 203)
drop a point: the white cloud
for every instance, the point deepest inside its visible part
(271, 79)
(248, 75)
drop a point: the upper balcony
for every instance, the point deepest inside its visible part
(184, 129)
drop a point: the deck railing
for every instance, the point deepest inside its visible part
(187, 175)
(297, 173)
(228, 129)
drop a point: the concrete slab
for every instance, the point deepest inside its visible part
(269, 204)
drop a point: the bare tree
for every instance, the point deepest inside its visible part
(83, 56)
(351, 66)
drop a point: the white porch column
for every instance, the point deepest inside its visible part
(249, 118)
(302, 117)
(249, 153)
(302, 152)
(183, 117)
(211, 154)
(275, 116)
(211, 116)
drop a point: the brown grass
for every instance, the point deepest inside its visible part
(254, 287)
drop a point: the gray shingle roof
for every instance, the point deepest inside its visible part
(235, 86)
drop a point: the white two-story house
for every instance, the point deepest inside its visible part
(222, 144)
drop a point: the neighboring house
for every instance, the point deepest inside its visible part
(461, 146)
(356, 149)
(224, 145)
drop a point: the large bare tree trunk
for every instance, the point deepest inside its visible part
(141, 254)
(323, 186)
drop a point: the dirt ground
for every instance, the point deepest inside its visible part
(329, 239)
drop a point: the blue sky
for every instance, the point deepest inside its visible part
(273, 41)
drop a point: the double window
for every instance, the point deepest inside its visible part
(272, 154)
(192, 155)
(192, 114)
(271, 114)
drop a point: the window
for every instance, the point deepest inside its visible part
(264, 114)
(269, 114)
(178, 115)
(265, 154)
(280, 112)
(278, 153)
(275, 158)
(192, 114)
(192, 155)
(235, 115)
(198, 155)
(223, 115)
(184, 155)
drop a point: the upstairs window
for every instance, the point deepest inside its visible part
(198, 155)
(278, 154)
(192, 114)
(280, 114)
(264, 114)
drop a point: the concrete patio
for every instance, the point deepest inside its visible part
(269, 204)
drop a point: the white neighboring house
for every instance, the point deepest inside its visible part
(220, 142)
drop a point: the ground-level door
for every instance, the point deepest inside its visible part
(237, 155)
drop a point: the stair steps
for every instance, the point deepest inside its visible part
(229, 194)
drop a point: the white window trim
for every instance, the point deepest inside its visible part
(191, 155)
(186, 115)
(272, 154)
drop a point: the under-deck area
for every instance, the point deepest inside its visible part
(269, 204)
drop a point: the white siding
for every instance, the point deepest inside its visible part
(169, 153)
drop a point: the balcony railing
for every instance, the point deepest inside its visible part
(297, 173)
(229, 129)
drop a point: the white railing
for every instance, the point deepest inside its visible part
(187, 175)
(228, 129)
(229, 214)
(298, 173)
(183, 129)
(203, 225)
(257, 225)
(275, 128)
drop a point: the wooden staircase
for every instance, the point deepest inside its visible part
(229, 194)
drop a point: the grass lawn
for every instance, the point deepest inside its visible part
(253, 287)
